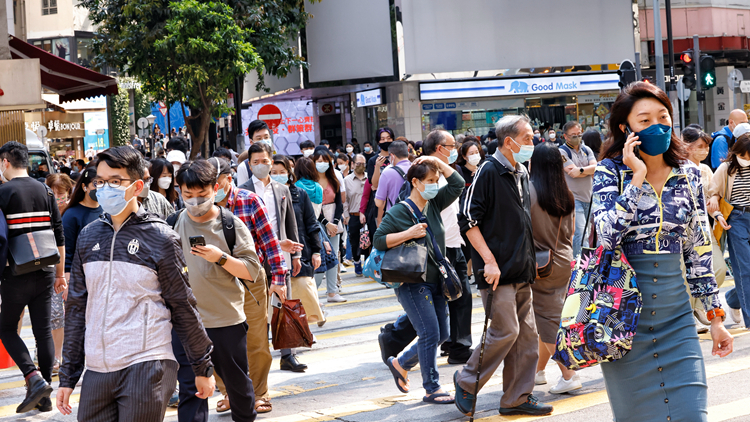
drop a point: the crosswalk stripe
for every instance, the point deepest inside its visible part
(367, 299)
(727, 411)
(347, 285)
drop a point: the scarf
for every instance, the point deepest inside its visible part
(313, 189)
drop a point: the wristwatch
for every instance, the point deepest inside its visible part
(223, 259)
(581, 170)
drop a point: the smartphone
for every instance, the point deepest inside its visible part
(275, 302)
(197, 241)
(636, 150)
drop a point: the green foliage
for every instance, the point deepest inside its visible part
(120, 129)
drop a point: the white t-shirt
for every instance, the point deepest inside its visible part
(341, 180)
(449, 215)
(242, 175)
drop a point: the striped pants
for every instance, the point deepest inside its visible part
(139, 392)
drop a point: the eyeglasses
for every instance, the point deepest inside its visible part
(452, 146)
(114, 183)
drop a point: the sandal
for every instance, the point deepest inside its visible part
(223, 405)
(397, 376)
(263, 406)
(434, 398)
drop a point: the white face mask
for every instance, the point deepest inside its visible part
(199, 206)
(349, 149)
(743, 162)
(164, 182)
(474, 159)
(343, 167)
(308, 152)
(2, 173)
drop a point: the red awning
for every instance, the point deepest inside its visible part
(69, 80)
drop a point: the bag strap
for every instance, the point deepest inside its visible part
(421, 218)
(586, 226)
(401, 172)
(172, 219)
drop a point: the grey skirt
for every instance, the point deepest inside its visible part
(663, 377)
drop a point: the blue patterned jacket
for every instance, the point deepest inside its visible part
(644, 223)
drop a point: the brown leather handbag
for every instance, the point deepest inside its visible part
(289, 326)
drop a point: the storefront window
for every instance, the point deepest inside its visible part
(85, 51)
(377, 117)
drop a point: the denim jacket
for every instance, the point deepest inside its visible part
(643, 222)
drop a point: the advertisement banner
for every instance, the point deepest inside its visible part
(291, 122)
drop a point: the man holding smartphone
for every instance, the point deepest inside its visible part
(217, 274)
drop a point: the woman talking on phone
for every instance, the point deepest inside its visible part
(648, 199)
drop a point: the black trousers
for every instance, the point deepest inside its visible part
(35, 291)
(397, 336)
(354, 227)
(139, 392)
(230, 363)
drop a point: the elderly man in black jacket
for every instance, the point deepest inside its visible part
(495, 215)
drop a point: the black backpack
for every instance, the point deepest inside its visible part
(227, 226)
(405, 190)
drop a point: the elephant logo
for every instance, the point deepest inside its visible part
(519, 87)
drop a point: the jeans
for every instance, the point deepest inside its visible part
(739, 252)
(427, 310)
(35, 291)
(733, 301)
(331, 275)
(582, 210)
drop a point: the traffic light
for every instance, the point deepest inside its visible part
(627, 73)
(708, 72)
(688, 69)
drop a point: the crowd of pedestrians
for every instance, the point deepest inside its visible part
(160, 276)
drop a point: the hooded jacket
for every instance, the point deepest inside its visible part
(127, 289)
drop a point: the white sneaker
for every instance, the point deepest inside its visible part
(565, 386)
(342, 268)
(700, 327)
(336, 298)
(736, 315)
(540, 378)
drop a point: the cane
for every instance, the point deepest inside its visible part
(487, 313)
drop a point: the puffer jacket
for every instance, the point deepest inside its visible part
(127, 289)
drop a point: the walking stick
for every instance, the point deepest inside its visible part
(487, 313)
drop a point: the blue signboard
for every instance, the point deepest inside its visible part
(175, 115)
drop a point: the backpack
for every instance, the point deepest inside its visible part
(227, 226)
(405, 190)
(730, 143)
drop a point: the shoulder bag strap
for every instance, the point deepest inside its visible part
(227, 226)
(420, 217)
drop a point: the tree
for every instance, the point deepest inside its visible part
(192, 51)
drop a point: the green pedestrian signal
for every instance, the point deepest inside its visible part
(708, 72)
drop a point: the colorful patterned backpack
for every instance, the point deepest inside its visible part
(601, 311)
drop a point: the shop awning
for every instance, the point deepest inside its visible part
(69, 80)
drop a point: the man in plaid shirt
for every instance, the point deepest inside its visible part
(249, 208)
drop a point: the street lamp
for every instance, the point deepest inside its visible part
(151, 119)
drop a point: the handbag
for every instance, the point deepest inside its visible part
(725, 208)
(405, 263)
(328, 260)
(364, 238)
(451, 284)
(289, 326)
(34, 250)
(545, 258)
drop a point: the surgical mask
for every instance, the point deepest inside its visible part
(112, 200)
(552, 135)
(655, 139)
(700, 154)
(349, 149)
(261, 171)
(280, 178)
(144, 192)
(322, 167)
(385, 145)
(92, 195)
(164, 182)
(574, 140)
(474, 159)
(343, 167)
(742, 162)
(220, 195)
(308, 152)
(199, 206)
(430, 191)
(453, 156)
(524, 154)
(266, 141)
(368, 149)
(176, 167)
(2, 175)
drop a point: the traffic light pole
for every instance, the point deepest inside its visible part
(698, 92)
(658, 47)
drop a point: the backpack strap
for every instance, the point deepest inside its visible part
(227, 226)
(172, 219)
(401, 172)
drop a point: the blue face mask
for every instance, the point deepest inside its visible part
(280, 178)
(453, 156)
(430, 191)
(112, 200)
(655, 139)
(524, 154)
(322, 167)
(220, 195)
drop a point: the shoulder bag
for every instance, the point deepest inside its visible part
(289, 326)
(451, 284)
(725, 208)
(405, 263)
(601, 310)
(34, 250)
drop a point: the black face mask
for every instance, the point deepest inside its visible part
(384, 145)
(92, 195)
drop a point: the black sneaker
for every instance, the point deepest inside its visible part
(36, 389)
(44, 405)
(531, 407)
(460, 358)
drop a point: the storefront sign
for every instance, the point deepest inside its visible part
(372, 97)
(597, 98)
(522, 86)
(296, 124)
(58, 124)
